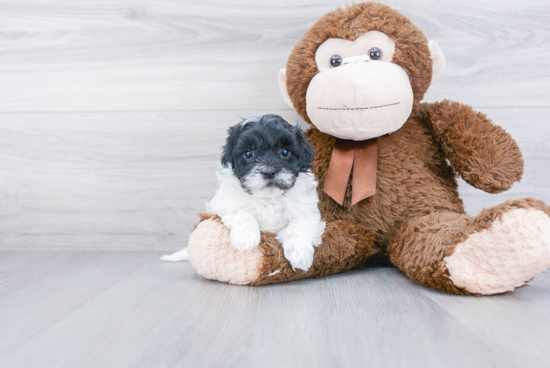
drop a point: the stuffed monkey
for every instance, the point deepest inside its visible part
(386, 166)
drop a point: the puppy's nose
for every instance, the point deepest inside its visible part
(269, 172)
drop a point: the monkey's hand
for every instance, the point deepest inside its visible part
(482, 153)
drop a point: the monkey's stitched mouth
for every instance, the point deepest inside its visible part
(357, 108)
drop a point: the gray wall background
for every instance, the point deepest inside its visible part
(112, 113)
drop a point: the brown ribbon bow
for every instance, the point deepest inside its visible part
(363, 157)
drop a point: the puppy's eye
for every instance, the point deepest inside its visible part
(375, 53)
(285, 153)
(335, 61)
(248, 155)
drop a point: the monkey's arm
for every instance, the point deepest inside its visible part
(484, 154)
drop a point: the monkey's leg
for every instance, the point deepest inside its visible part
(345, 246)
(498, 251)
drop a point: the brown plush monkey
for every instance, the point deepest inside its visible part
(358, 75)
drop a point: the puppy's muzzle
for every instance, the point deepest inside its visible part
(269, 172)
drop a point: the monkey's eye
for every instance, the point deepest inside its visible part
(375, 53)
(335, 61)
(248, 155)
(285, 153)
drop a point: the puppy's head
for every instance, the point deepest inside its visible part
(266, 154)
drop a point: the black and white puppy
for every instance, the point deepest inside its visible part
(265, 183)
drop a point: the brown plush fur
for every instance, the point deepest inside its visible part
(416, 217)
(345, 246)
(411, 47)
(423, 243)
(491, 167)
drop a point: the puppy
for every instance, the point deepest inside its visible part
(265, 183)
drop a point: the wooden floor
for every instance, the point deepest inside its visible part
(127, 309)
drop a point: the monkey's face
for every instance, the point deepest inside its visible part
(358, 72)
(359, 93)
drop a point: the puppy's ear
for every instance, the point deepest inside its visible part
(227, 152)
(307, 150)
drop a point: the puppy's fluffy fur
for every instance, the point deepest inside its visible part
(266, 184)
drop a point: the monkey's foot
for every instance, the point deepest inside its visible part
(345, 246)
(213, 257)
(505, 255)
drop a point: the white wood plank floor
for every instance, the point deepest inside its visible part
(127, 309)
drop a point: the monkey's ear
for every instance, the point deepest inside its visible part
(438, 60)
(282, 87)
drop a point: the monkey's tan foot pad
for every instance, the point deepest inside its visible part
(212, 256)
(504, 256)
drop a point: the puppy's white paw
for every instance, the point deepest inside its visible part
(245, 235)
(299, 253)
